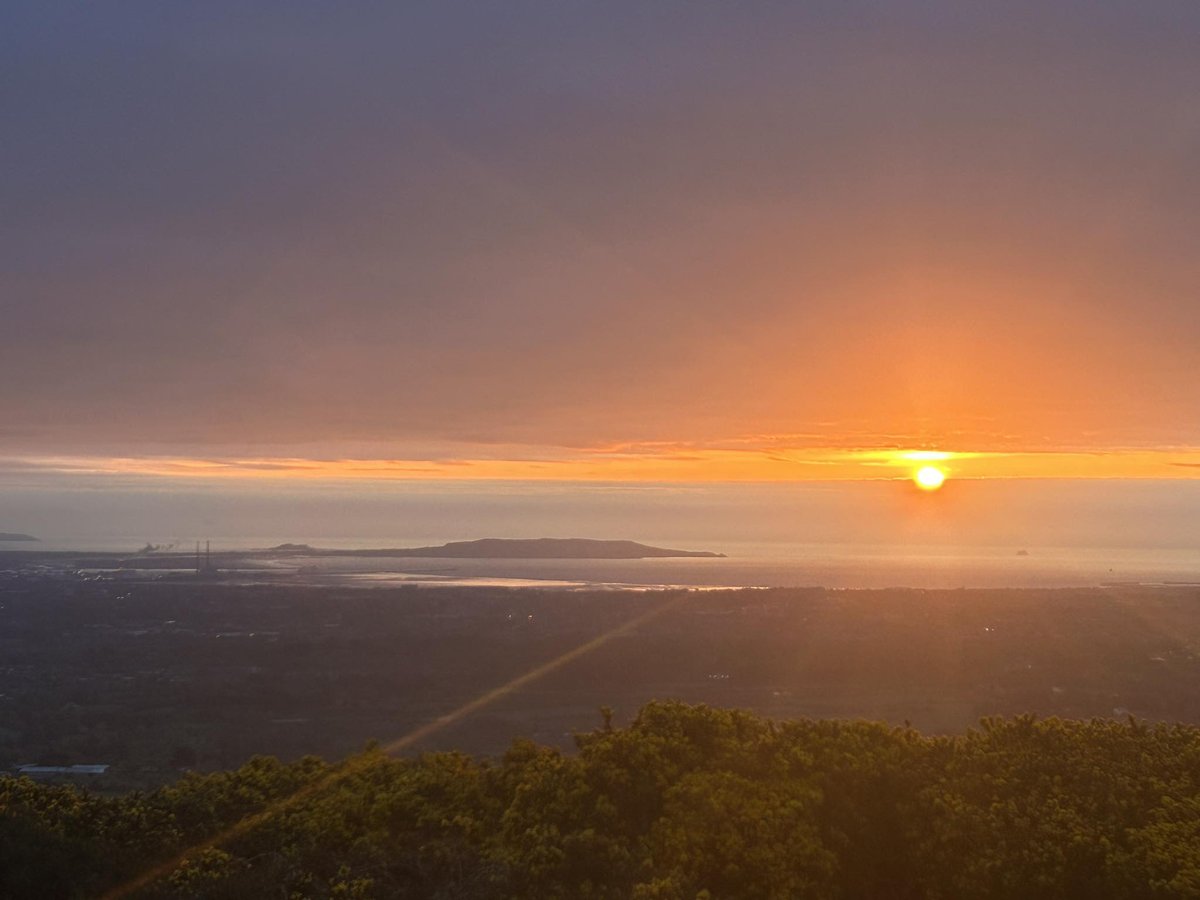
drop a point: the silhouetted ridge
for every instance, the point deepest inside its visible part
(543, 548)
(505, 548)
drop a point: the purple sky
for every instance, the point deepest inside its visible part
(309, 229)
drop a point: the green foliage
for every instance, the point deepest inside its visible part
(687, 802)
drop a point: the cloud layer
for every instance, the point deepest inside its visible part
(266, 230)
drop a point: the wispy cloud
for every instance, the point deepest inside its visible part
(663, 464)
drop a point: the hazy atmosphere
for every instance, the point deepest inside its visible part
(524, 232)
(94, 513)
(617, 451)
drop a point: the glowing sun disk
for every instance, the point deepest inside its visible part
(929, 478)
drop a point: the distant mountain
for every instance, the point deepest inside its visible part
(9, 536)
(551, 548)
(539, 548)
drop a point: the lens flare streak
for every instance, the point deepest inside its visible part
(361, 763)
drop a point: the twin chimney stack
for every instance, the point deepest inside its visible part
(204, 567)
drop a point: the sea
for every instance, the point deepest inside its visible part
(829, 565)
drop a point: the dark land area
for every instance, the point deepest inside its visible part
(153, 674)
(536, 548)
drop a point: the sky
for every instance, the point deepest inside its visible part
(597, 242)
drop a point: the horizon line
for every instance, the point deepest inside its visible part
(659, 465)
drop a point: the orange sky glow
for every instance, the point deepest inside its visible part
(799, 254)
(681, 464)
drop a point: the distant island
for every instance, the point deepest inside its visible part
(501, 548)
(10, 536)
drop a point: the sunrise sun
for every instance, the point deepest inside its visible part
(929, 478)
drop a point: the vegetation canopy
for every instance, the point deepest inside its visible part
(685, 802)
